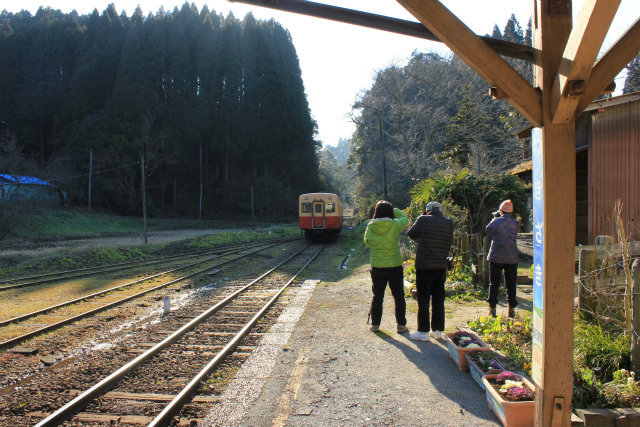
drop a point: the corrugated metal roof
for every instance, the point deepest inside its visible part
(21, 179)
(611, 102)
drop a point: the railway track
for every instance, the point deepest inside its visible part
(20, 282)
(20, 331)
(173, 361)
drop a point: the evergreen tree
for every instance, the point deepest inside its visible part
(496, 34)
(632, 81)
(197, 94)
(513, 31)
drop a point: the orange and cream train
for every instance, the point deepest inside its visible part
(320, 215)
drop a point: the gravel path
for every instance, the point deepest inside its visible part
(334, 371)
(133, 239)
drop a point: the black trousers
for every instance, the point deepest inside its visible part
(380, 277)
(430, 287)
(495, 277)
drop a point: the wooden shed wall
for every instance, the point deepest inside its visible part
(614, 169)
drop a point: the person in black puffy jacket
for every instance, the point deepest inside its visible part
(503, 255)
(434, 233)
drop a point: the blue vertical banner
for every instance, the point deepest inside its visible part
(538, 259)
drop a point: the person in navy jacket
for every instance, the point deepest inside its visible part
(503, 255)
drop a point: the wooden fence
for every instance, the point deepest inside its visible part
(473, 249)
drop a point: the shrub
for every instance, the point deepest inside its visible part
(623, 391)
(600, 350)
(477, 195)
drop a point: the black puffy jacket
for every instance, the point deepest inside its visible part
(434, 233)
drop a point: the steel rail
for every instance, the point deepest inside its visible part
(16, 340)
(168, 412)
(117, 264)
(115, 288)
(80, 401)
(90, 271)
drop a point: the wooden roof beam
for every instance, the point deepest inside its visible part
(478, 55)
(610, 64)
(585, 40)
(380, 22)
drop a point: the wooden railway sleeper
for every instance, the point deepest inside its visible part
(107, 383)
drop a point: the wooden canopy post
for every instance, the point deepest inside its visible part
(552, 368)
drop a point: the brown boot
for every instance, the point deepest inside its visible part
(512, 312)
(492, 311)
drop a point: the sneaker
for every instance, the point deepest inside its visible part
(512, 312)
(436, 335)
(375, 328)
(420, 336)
(492, 311)
(402, 329)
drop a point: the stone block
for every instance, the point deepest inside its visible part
(48, 360)
(26, 351)
(605, 240)
(576, 421)
(627, 417)
(597, 417)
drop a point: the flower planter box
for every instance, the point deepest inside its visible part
(478, 372)
(458, 353)
(511, 414)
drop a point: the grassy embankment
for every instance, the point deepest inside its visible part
(75, 223)
(58, 225)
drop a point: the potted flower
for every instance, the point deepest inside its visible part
(511, 398)
(482, 363)
(461, 342)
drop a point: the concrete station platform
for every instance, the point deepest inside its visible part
(321, 366)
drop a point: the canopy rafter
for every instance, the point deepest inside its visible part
(585, 40)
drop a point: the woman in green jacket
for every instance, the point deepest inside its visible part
(381, 237)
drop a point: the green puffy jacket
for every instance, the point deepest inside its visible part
(382, 238)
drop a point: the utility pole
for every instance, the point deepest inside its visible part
(384, 162)
(200, 212)
(144, 200)
(90, 175)
(253, 217)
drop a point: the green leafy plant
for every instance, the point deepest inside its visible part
(600, 350)
(460, 272)
(623, 391)
(459, 285)
(409, 267)
(512, 337)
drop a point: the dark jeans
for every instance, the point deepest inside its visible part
(380, 277)
(495, 277)
(430, 286)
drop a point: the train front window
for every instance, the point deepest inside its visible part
(306, 208)
(318, 208)
(330, 208)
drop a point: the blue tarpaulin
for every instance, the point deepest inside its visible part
(19, 179)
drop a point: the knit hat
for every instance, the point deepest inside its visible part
(506, 206)
(433, 206)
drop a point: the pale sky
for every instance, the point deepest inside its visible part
(338, 61)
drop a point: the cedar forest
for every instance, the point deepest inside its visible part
(220, 101)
